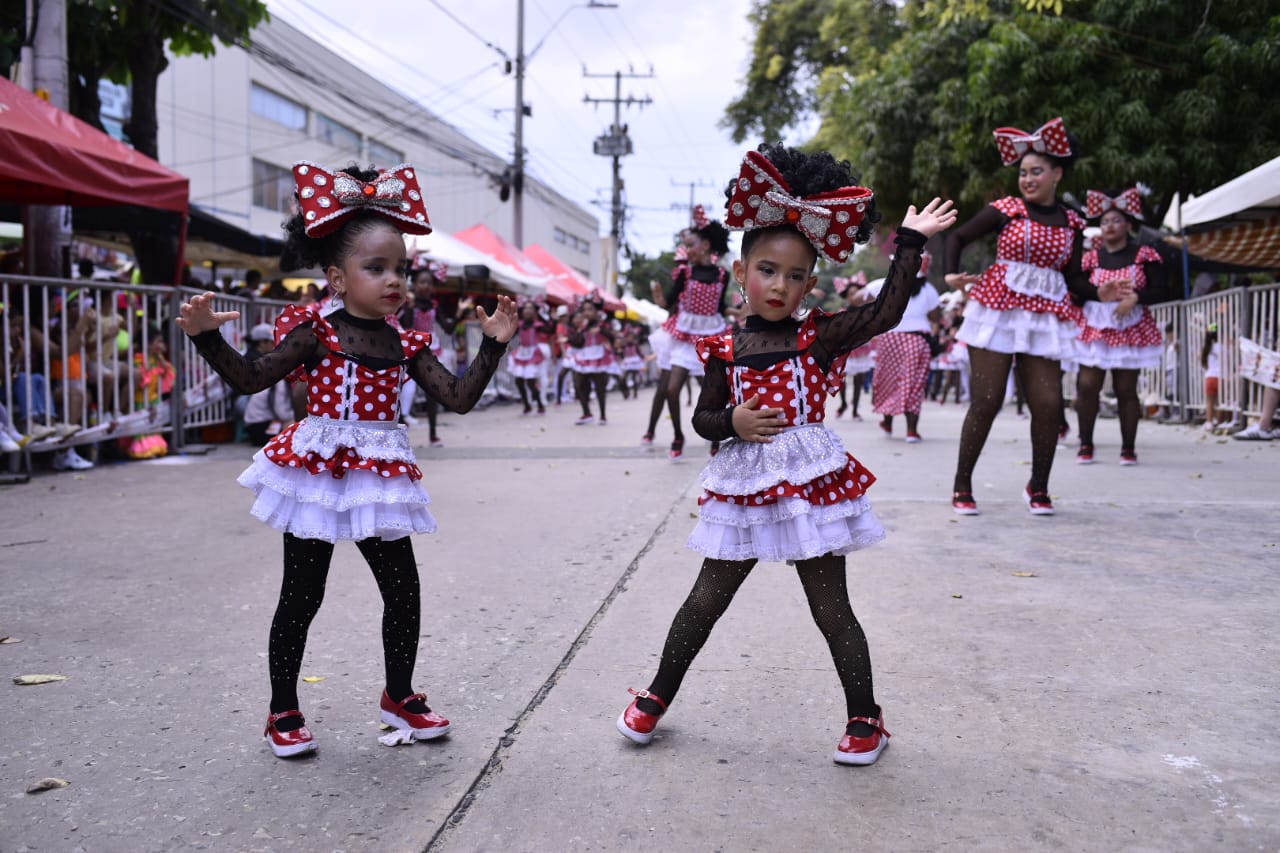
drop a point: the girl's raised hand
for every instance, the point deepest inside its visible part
(937, 216)
(502, 323)
(753, 423)
(198, 316)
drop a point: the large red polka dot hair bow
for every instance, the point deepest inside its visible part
(699, 218)
(328, 199)
(1128, 202)
(1050, 139)
(762, 199)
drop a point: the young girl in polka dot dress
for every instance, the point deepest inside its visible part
(1121, 335)
(782, 486)
(347, 471)
(1021, 305)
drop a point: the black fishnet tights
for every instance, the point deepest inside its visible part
(1089, 389)
(823, 579)
(306, 568)
(1042, 380)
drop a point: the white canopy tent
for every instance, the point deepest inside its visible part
(1257, 188)
(455, 254)
(653, 315)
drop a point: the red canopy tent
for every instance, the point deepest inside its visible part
(483, 238)
(568, 284)
(52, 157)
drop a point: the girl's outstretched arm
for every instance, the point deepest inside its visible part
(846, 330)
(198, 319)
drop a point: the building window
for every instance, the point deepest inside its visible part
(384, 156)
(565, 238)
(561, 236)
(272, 187)
(337, 134)
(278, 108)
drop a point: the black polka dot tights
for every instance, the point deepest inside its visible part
(823, 580)
(306, 567)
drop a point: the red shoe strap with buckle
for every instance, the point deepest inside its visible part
(406, 700)
(645, 694)
(873, 722)
(275, 718)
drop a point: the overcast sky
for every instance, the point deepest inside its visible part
(697, 49)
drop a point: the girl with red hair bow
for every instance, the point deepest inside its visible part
(347, 470)
(782, 487)
(1119, 335)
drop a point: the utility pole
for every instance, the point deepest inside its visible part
(616, 144)
(692, 185)
(47, 228)
(518, 65)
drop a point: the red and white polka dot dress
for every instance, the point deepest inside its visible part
(902, 367)
(347, 470)
(697, 316)
(1111, 343)
(1021, 303)
(797, 497)
(531, 354)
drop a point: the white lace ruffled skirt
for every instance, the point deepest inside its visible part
(795, 498)
(373, 493)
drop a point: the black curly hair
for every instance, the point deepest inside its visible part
(302, 252)
(807, 173)
(716, 235)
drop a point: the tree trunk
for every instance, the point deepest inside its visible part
(85, 103)
(156, 249)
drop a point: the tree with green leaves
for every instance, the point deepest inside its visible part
(124, 41)
(1175, 93)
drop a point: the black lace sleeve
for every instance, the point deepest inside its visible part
(457, 393)
(249, 377)
(713, 416)
(851, 328)
(984, 222)
(1157, 289)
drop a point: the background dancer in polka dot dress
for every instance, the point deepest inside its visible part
(424, 313)
(700, 297)
(902, 359)
(782, 486)
(528, 361)
(347, 470)
(591, 348)
(1120, 335)
(863, 359)
(1021, 304)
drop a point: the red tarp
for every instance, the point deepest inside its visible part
(569, 284)
(51, 157)
(483, 238)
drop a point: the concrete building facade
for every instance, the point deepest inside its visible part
(234, 123)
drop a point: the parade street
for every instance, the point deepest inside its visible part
(1104, 679)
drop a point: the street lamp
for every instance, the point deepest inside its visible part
(517, 170)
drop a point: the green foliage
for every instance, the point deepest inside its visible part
(643, 270)
(1173, 93)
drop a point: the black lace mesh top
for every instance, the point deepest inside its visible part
(375, 344)
(762, 343)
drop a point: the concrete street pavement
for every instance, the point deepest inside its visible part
(1121, 698)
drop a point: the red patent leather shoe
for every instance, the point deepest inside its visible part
(287, 744)
(424, 726)
(863, 750)
(1038, 503)
(962, 503)
(636, 724)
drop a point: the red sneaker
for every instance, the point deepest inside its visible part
(962, 503)
(646, 439)
(1128, 457)
(425, 726)
(1084, 456)
(636, 724)
(1038, 503)
(863, 750)
(286, 744)
(886, 430)
(677, 449)
(914, 438)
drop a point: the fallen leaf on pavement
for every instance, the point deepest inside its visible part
(312, 679)
(48, 784)
(956, 595)
(24, 680)
(4, 641)
(1025, 575)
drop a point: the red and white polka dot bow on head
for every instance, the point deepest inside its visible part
(699, 218)
(1050, 139)
(1129, 201)
(328, 199)
(762, 199)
